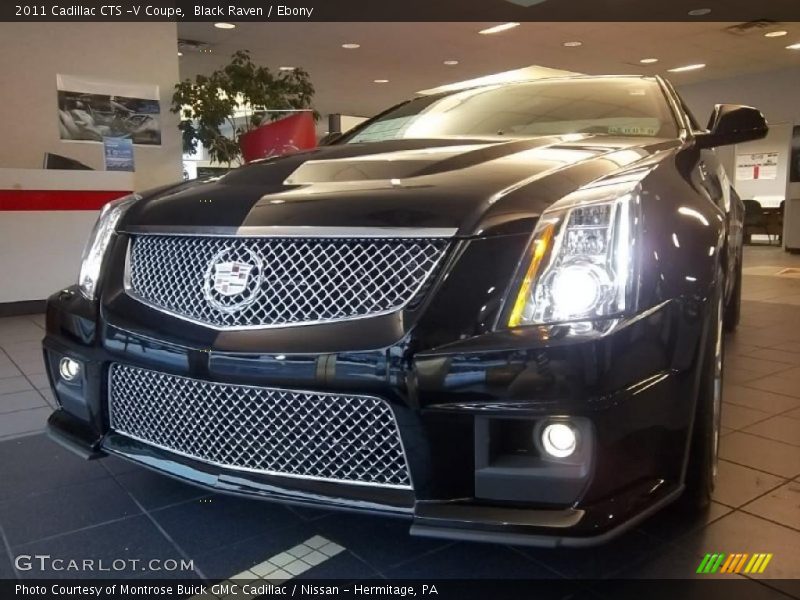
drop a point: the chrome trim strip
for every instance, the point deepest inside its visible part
(669, 94)
(265, 472)
(294, 231)
(132, 294)
(227, 482)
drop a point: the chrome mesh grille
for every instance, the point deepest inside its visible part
(282, 432)
(289, 280)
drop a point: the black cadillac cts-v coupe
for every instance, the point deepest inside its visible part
(497, 312)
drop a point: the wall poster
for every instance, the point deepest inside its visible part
(92, 109)
(118, 153)
(758, 165)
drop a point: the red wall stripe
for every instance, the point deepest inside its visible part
(56, 199)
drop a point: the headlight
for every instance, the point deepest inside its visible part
(581, 265)
(97, 244)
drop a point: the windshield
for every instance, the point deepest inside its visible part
(612, 106)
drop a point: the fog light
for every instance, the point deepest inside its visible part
(69, 369)
(559, 440)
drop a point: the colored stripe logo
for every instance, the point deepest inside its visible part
(720, 562)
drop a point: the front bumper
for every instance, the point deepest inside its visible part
(460, 408)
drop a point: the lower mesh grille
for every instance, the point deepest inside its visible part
(283, 432)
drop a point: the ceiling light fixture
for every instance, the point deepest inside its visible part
(451, 62)
(498, 28)
(699, 12)
(793, 46)
(351, 46)
(286, 68)
(771, 34)
(574, 44)
(180, 53)
(648, 61)
(381, 80)
(224, 25)
(687, 68)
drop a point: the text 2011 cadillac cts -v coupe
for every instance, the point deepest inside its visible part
(496, 311)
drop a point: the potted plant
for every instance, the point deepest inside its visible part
(217, 109)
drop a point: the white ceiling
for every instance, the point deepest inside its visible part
(411, 55)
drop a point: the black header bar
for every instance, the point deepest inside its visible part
(734, 588)
(399, 10)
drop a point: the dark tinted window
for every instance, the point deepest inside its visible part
(613, 106)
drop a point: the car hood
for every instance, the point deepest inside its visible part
(474, 186)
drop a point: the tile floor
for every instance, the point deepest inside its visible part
(52, 502)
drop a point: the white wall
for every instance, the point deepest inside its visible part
(776, 94)
(348, 122)
(40, 250)
(34, 53)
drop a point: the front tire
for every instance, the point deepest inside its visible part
(701, 471)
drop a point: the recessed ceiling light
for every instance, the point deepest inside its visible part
(351, 46)
(498, 28)
(648, 61)
(574, 44)
(451, 62)
(780, 33)
(793, 47)
(286, 68)
(687, 68)
(180, 53)
(380, 80)
(224, 25)
(699, 12)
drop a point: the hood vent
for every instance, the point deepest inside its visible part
(750, 27)
(185, 45)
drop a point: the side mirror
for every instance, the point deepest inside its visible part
(330, 138)
(732, 124)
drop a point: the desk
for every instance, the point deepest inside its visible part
(45, 218)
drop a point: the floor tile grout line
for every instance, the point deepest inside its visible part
(772, 588)
(767, 418)
(19, 410)
(759, 496)
(21, 434)
(770, 439)
(49, 538)
(766, 437)
(25, 375)
(749, 387)
(673, 542)
(787, 411)
(8, 550)
(16, 391)
(156, 524)
(755, 469)
(380, 573)
(280, 563)
(787, 367)
(405, 561)
(150, 512)
(765, 392)
(539, 562)
(763, 518)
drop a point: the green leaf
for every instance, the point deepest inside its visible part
(213, 99)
